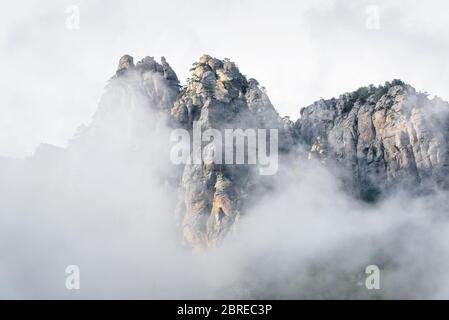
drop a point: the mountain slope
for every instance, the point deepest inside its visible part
(376, 140)
(385, 138)
(218, 96)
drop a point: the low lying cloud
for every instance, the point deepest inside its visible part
(106, 204)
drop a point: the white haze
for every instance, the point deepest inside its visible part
(107, 204)
(109, 208)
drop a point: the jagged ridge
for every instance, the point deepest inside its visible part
(379, 138)
(385, 137)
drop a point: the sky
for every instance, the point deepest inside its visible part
(54, 69)
(112, 212)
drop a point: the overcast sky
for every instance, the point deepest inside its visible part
(53, 75)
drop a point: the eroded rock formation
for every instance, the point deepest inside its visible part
(386, 138)
(219, 97)
(378, 139)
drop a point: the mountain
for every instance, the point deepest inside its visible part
(218, 96)
(385, 137)
(376, 140)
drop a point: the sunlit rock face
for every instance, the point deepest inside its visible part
(386, 138)
(218, 96)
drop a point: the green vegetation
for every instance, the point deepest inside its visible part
(364, 93)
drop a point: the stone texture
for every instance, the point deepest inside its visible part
(213, 196)
(376, 139)
(385, 138)
(125, 63)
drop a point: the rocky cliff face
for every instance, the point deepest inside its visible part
(385, 138)
(377, 139)
(218, 96)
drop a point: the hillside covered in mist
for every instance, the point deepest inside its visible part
(361, 179)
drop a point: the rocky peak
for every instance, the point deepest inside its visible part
(386, 137)
(376, 138)
(215, 91)
(137, 96)
(158, 80)
(218, 96)
(126, 62)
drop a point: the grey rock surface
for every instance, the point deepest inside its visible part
(376, 139)
(386, 138)
(213, 196)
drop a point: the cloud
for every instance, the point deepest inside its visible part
(106, 204)
(109, 209)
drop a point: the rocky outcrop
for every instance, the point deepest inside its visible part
(384, 138)
(377, 138)
(135, 99)
(213, 196)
